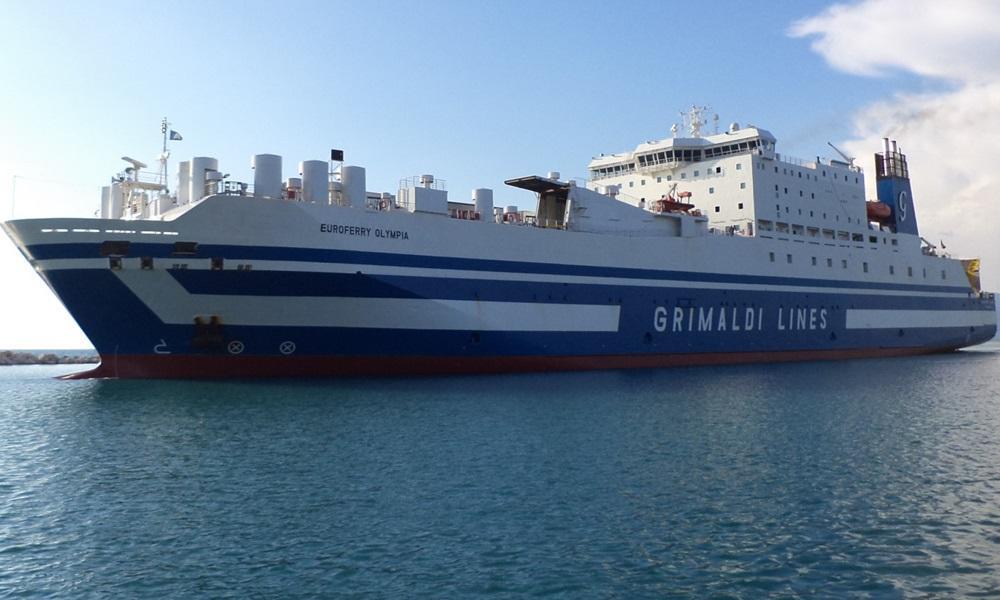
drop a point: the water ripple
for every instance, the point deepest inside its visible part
(860, 479)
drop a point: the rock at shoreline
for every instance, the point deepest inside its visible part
(9, 357)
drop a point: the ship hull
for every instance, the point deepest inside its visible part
(510, 300)
(335, 366)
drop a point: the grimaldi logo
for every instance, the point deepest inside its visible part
(731, 319)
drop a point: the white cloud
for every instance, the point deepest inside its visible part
(952, 137)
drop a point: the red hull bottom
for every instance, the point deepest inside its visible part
(214, 367)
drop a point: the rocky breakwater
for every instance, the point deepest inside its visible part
(11, 357)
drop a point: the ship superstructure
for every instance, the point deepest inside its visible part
(688, 250)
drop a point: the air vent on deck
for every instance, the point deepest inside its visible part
(185, 248)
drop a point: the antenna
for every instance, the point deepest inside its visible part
(849, 159)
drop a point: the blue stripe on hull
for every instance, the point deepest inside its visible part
(118, 323)
(360, 285)
(81, 250)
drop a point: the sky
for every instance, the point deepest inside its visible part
(480, 92)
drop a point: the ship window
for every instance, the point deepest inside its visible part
(743, 185)
(814, 261)
(631, 184)
(115, 248)
(719, 169)
(829, 262)
(764, 225)
(800, 193)
(670, 177)
(892, 270)
(800, 174)
(115, 262)
(711, 190)
(739, 166)
(789, 258)
(786, 190)
(740, 206)
(659, 179)
(697, 172)
(776, 187)
(716, 209)
(944, 274)
(925, 273)
(824, 173)
(843, 263)
(185, 248)
(857, 237)
(909, 271)
(864, 267)
(642, 182)
(895, 242)
(771, 256)
(146, 263)
(683, 175)
(812, 195)
(775, 169)
(811, 213)
(217, 263)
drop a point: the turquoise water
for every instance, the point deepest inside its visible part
(875, 478)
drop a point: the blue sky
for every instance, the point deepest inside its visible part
(473, 92)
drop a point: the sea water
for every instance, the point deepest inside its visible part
(877, 478)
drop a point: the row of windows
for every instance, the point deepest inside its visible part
(830, 234)
(792, 172)
(696, 173)
(743, 186)
(812, 214)
(864, 265)
(693, 155)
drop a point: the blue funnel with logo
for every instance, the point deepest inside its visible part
(893, 181)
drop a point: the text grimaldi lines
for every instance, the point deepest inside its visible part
(722, 318)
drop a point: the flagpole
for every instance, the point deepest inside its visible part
(163, 155)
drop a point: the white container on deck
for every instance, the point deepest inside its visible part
(483, 199)
(106, 202)
(200, 165)
(314, 180)
(183, 182)
(266, 175)
(117, 204)
(353, 181)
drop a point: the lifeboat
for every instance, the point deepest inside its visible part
(669, 204)
(878, 211)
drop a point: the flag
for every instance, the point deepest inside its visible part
(972, 272)
(175, 136)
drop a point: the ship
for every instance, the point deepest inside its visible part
(696, 249)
